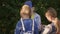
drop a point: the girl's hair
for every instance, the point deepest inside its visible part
(27, 10)
(57, 24)
(51, 12)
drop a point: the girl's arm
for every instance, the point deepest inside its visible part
(47, 29)
(18, 28)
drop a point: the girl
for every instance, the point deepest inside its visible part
(26, 25)
(34, 16)
(54, 27)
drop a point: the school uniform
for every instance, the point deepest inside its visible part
(26, 26)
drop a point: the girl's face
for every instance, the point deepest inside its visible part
(48, 17)
(25, 12)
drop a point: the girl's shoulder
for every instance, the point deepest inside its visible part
(37, 15)
(19, 23)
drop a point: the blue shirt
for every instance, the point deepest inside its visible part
(27, 25)
(37, 19)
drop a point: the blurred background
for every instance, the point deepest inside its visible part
(9, 12)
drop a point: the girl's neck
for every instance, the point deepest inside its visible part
(25, 17)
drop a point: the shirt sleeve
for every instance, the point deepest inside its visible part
(18, 28)
(38, 20)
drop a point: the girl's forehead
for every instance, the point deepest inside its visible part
(25, 9)
(47, 14)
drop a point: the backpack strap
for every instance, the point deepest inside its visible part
(24, 27)
(33, 27)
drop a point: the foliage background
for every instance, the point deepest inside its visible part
(9, 12)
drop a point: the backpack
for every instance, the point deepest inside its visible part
(23, 28)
